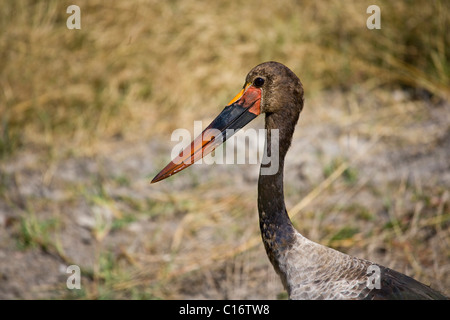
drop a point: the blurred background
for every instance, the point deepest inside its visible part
(86, 118)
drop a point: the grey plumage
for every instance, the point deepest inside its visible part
(313, 271)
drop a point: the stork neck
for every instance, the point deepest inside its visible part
(276, 228)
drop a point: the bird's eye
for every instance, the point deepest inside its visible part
(258, 82)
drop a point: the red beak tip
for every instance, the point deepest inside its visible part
(157, 178)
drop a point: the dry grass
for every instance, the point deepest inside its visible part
(86, 117)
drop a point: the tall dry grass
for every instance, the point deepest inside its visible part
(168, 61)
(137, 70)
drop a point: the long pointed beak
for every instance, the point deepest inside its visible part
(242, 109)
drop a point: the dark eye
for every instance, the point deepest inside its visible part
(258, 82)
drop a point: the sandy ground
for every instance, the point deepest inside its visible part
(195, 236)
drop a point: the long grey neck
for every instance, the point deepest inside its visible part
(276, 228)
